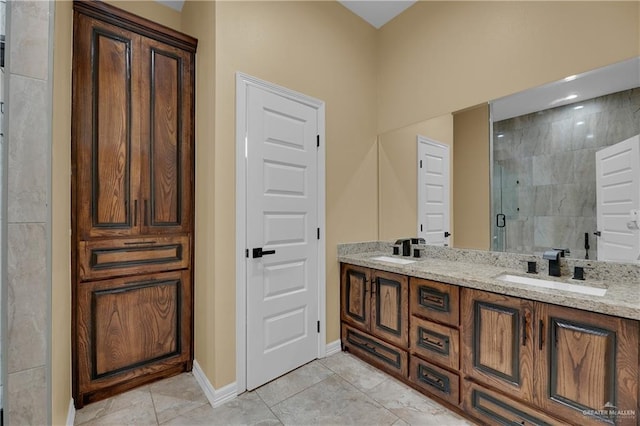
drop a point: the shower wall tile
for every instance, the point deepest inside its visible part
(27, 180)
(27, 296)
(29, 47)
(547, 164)
(28, 402)
(553, 168)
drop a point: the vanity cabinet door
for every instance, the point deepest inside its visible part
(498, 346)
(587, 362)
(390, 307)
(354, 295)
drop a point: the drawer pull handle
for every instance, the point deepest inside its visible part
(436, 381)
(140, 243)
(437, 343)
(433, 299)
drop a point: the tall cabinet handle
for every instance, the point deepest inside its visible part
(540, 334)
(135, 213)
(524, 329)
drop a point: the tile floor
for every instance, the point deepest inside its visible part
(337, 390)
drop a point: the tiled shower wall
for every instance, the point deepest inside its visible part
(28, 217)
(544, 177)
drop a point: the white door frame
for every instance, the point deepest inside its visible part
(243, 81)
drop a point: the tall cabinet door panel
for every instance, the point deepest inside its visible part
(129, 326)
(354, 295)
(167, 97)
(390, 307)
(105, 128)
(590, 363)
(498, 347)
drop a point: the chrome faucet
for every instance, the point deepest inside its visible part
(553, 256)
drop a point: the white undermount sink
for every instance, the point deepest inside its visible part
(537, 282)
(390, 259)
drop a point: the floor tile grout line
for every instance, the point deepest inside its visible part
(153, 403)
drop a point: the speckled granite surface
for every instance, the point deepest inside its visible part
(479, 269)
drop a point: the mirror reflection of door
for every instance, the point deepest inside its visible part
(433, 192)
(618, 201)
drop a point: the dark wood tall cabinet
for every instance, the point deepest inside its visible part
(132, 201)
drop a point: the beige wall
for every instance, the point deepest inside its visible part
(323, 50)
(398, 177)
(198, 20)
(471, 196)
(439, 57)
(61, 215)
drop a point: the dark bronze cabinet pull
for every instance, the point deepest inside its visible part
(524, 330)
(135, 213)
(437, 343)
(540, 334)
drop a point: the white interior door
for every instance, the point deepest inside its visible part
(618, 201)
(433, 192)
(282, 223)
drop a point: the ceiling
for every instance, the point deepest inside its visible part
(375, 12)
(575, 88)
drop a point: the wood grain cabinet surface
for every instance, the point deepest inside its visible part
(500, 360)
(132, 201)
(575, 365)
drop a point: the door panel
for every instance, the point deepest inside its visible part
(436, 301)
(591, 362)
(390, 307)
(355, 299)
(167, 99)
(377, 352)
(128, 325)
(435, 342)
(618, 201)
(433, 191)
(435, 380)
(497, 348)
(105, 131)
(282, 295)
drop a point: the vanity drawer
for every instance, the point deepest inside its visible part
(435, 380)
(493, 408)
(435, 342)
(435, 301)
(131, 256)
(383, 355)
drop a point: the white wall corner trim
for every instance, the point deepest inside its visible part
(216, 397)
(333, 348)
(71, 414)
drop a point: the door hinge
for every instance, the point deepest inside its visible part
(318, 326)
(318, 233)
(246, 252)
(318, 141)
(420, 227)
(420, 163)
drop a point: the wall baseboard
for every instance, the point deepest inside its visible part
(215, 396)
(71, 413)
(333, 348)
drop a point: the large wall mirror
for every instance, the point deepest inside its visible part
(523, 166)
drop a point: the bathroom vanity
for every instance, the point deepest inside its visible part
(498, 352)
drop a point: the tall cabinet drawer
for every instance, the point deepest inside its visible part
(435, 301)
(375, 351)
(100, 259)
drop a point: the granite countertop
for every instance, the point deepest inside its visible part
(622, 298)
